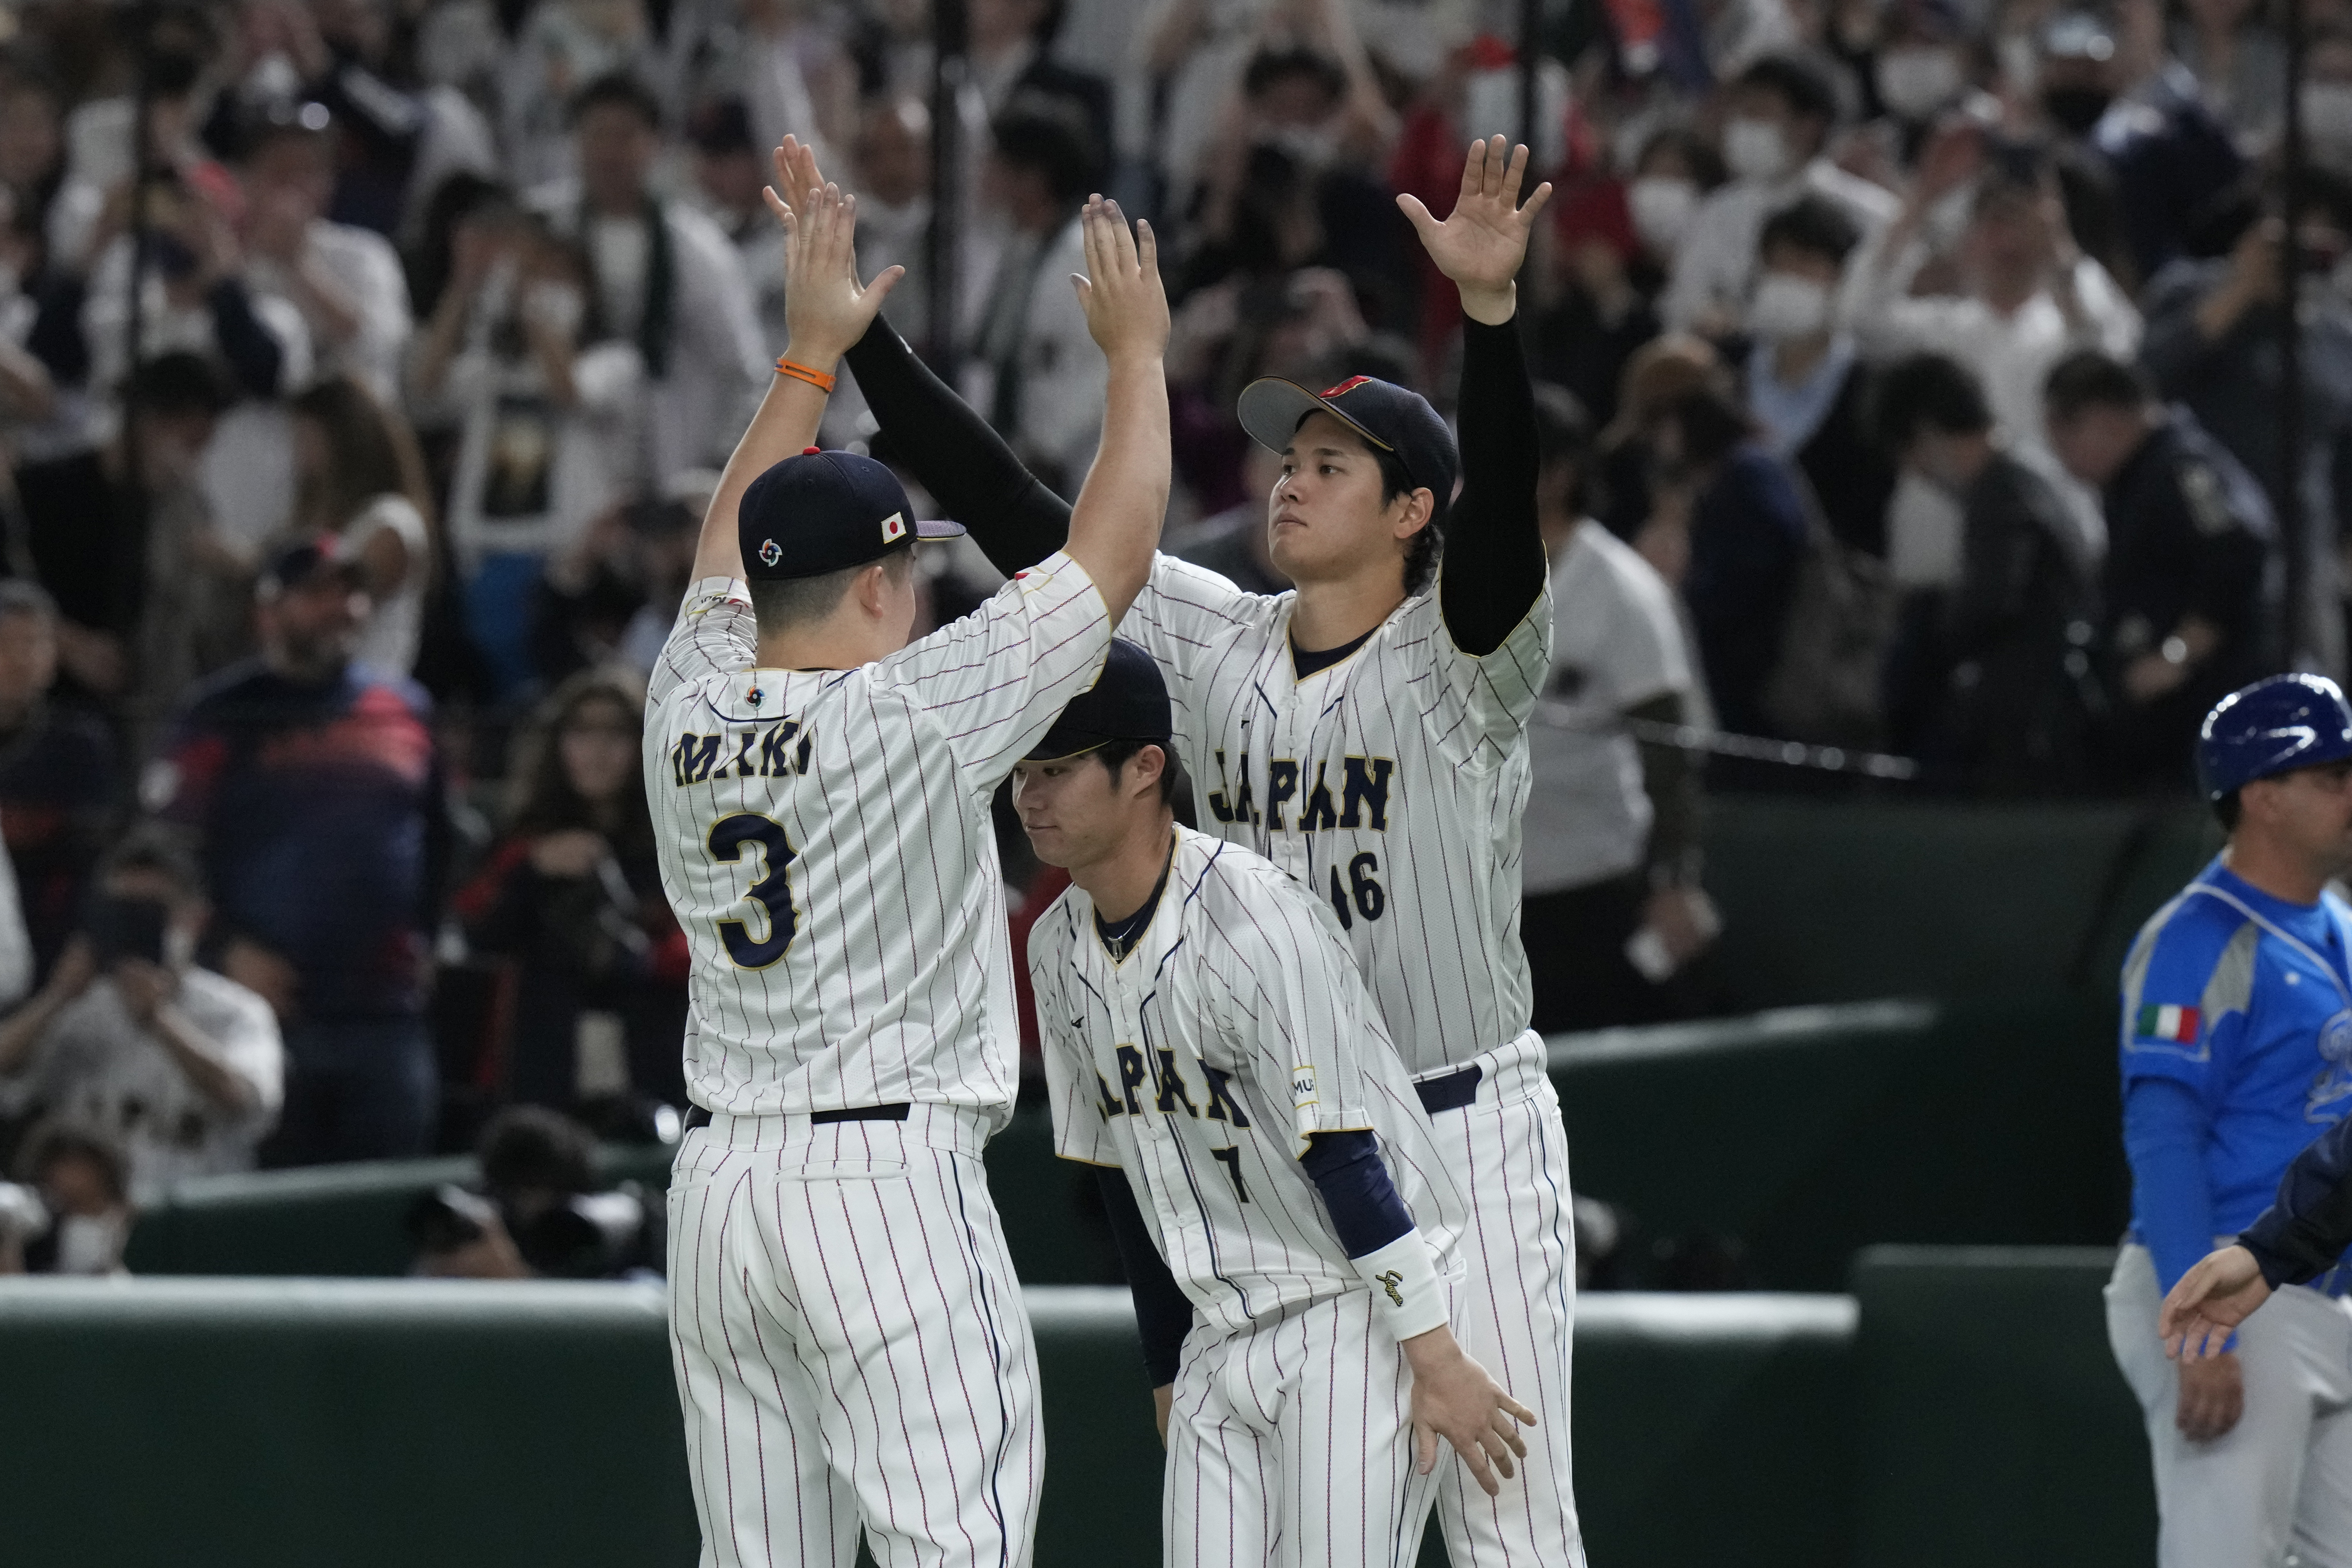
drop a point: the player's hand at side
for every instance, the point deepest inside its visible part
(825, 308)
(2212, 1397)
(2212, 1298)
(1125, 306)
(1483, 241)
(1455, 1399)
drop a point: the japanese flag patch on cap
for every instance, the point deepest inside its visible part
(893, 528)
(2176, 1024)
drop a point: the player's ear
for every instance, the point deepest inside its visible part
(1419, 505)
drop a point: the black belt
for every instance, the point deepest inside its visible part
(698, 1117)
(1453, 1092)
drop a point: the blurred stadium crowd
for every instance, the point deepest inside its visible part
(1909, 383)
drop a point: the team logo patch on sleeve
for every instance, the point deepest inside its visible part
(2176, 1024)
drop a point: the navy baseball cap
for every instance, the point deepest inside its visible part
(2278, 725)
(1128, 702)
(826, 512)
(1391, 418)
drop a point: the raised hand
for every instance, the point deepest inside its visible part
(797, 176)
(825, 308)
(1125, 306)
(1483, 241)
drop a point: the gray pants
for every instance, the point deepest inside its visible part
(2279, 1481)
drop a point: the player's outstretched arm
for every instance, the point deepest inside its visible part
(1493, 566)
(827, 310)
(976, 478)
(1115, 527)
(1454, 1398)
(2218, 1293)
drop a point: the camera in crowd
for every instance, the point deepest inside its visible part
(537, 1214)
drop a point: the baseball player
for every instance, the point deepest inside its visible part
(1286, 1221)
(2237, 1047)
(1366, 734)
(851, 1350)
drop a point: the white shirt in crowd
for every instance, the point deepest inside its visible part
(1057, 404)
(1715, 263)
(366, 268)
(693, 411)
(1617, 642)
(97, 1068)
(395, 625)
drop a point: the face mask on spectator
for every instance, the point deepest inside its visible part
(1787, 306)
(1308, 146)
(1755, 148)
(1661, 206)
(1914, 82)
(2078, 109)
(2327, 114)
(88, 1244)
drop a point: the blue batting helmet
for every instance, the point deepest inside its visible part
(2278, 724)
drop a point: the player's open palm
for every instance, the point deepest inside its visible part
(1454, 1398)
(2217, 1294)
(825, 308)
(1125, 306)
(1481, 244)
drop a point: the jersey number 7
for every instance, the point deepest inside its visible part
(729, 835)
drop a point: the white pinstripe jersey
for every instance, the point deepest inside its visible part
(1391, 784)
(826, 841)
(1232, 1030)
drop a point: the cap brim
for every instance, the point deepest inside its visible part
(1271, 408)
(939, 528)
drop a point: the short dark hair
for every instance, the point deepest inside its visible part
(2228, 810)
(620, 89)
(1802, 85)
(1117, 754)
(1048, 135)
(1813, 225)
(71, 1141)
(159, 851)
(1713, 422)
(1927, 392)
(180, 382)
(2088, 379)
(531, 1146)
(780, 606)
(1268, 66)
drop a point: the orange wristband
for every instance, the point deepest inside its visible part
(815, 378)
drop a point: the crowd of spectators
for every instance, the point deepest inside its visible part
(1907, 381)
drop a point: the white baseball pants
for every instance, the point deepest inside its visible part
(2280, 1479)
(1516, 1314)
(1290, 1446)
(851, 1346)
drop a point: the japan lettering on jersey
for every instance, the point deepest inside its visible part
(1391, 783)
(1234, 1030)
(826, 841)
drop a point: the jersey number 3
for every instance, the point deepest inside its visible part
(729, 835)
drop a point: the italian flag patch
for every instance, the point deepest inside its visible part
(2175, 1024)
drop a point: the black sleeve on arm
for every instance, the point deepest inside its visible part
(2309, 1226)
(251, 351)
(965, 464)
(1493, 570)
(1366, 1212)
(1670, 777)
(1164, 1314)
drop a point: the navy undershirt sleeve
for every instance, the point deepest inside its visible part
(1366, 1213)
(2309, 1226)
(1164, 1314)
(1493, 566)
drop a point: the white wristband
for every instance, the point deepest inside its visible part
(1402, 1278)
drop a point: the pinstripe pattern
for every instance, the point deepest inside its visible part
(897, 983)
(850, 1346)
(851, 1350)
(1241, 972)
(1439, 943)
(1291, 1447)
